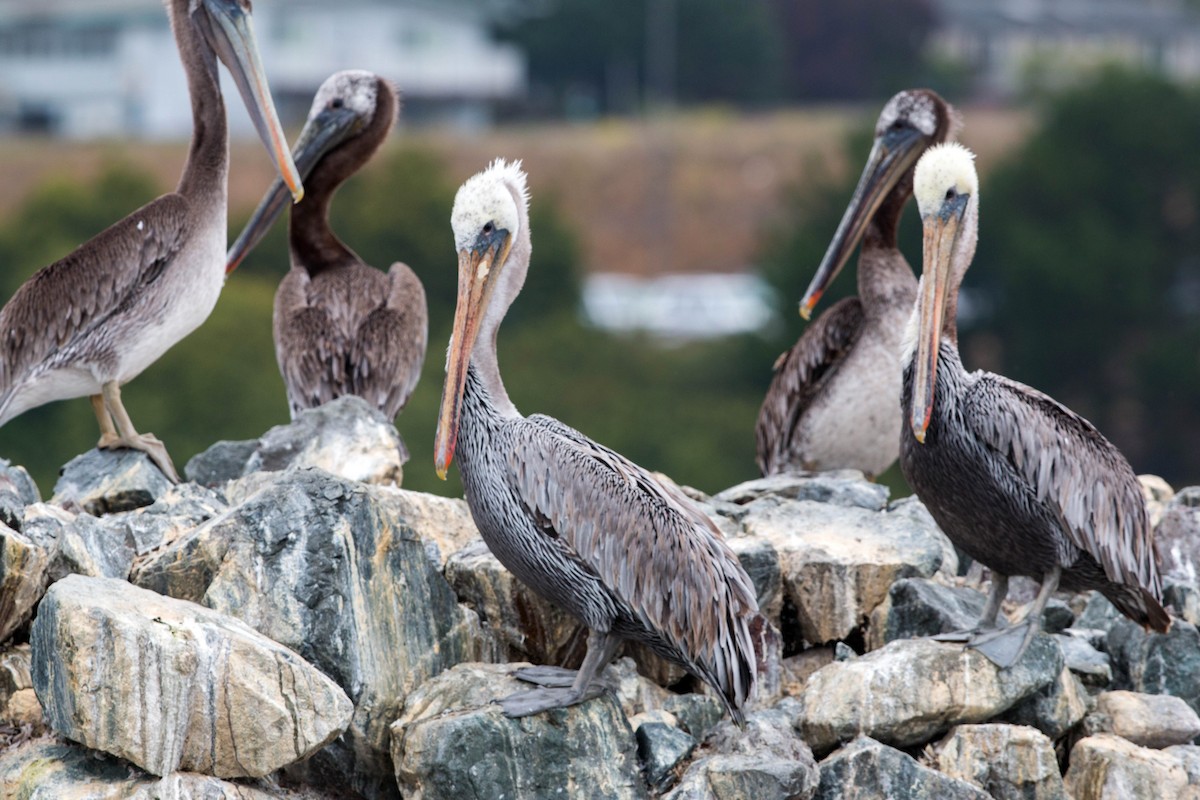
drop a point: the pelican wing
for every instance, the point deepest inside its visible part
(388, 351)
(647, 543)
(799, 376)
(1073, 469)
(63, 303)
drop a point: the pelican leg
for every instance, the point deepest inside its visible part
(1006, 646)
(554, 693)
(987, 620)
(128, 436)
(108, 431)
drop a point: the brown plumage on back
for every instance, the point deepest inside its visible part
(340, 326)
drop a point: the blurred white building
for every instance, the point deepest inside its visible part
(1011, 44)
(101, 68)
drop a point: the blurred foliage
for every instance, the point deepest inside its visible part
(686, 410)
(1088, 267)
(587, 57)
(596, 53)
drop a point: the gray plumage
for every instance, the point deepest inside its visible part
(340, 325)
(831, 402)
(94, 320)
(1018, 481)
(583, 526)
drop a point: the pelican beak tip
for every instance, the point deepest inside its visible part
(441, 472)
(919, 435)
(297, 194)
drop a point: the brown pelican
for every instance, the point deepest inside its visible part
(94, 320)
(1017, 480)
(588, 529)
(341, 327)
(832, 402)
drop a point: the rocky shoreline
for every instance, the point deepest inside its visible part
(292, 625)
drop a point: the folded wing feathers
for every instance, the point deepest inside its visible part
(1071, 466)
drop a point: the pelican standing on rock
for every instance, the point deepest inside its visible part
(89, 323)
(832, 402)
(584, 527)
(341, 327)
(1017, 480)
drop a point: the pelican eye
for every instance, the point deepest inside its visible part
(488, 228)
(336, 102)
(951, 193)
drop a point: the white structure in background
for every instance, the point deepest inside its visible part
(679, 306)
(1006, 43)
(105, 68)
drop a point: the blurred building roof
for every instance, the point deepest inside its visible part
(89, 68)
(1010, 43)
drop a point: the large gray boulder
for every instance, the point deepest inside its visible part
(17, 490)
(866, 769)
(1106, 766)
(170, 685)
(765, 761)
(45, 770)
(1177, 538)
(840, 488)
(1149, 720)
(1009, 762)
(341, 573)
(453, 743)
(837, 563)
(25, 561)
(1054, 709)
(107, 481)
(910, 690)
(920, 607)
(346, 437)
(1157, 663)
(172, 514)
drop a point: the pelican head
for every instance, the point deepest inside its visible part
(227, 28)
(490, 215)
(911, 122)
(344, 107)
(947, 191)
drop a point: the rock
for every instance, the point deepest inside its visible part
(25, 560)
(1157, 663)
(839, 488)
(14, 671)
(761, 562)
(82, 544)
(338, 571)
(453, 742)
(838, 563)
(868, 770)
(1157, 493)
(1184, 601)
(223, 462)
(170, 685)
(180, 510)
(919, 607)
(106, 481)
(528, 627)
(910, 690)
(766, 761)
(1055, 709)
(1189, 758)
(1149, 720)
(1177, 538)
(697, 714)
(1092, 666)
(42, 770)
(1009, 762)
(797, 669)
(661, 747)
(1106, 766)
(345, 437)
(17, 490)
(1056, 617)
(635, 693)
(1098, 614)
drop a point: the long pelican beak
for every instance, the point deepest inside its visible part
(942, 229)
(478, 270)
(321, 134)
(891, 156)
(233, 40)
